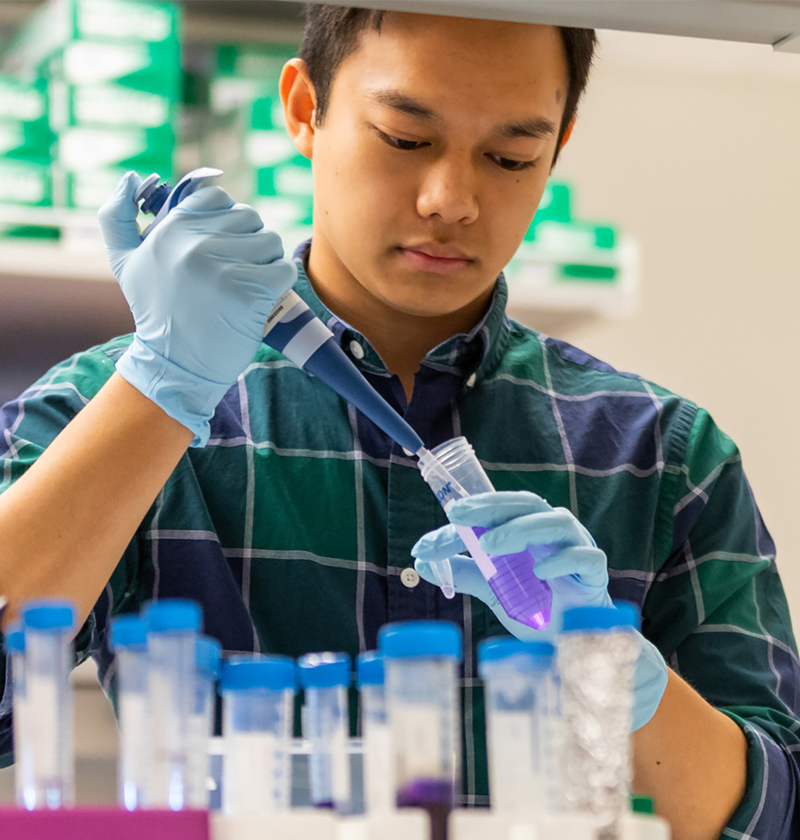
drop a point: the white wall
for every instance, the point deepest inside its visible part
(694, 147)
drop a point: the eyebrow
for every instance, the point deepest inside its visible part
(535, 127)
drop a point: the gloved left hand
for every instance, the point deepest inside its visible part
(566, 556)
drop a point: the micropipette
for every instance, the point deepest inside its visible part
(158, 199)
(292, 328)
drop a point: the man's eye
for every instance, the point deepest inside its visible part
(398, 143)
(513, 165)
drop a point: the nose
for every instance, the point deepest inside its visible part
(449, 191)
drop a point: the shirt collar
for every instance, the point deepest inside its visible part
(463, 354)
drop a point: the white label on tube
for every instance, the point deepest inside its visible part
(378, 768)
(516, 777)
(340, 766)
(197, 763)
(488, 569)
(167, 739)
(167, 731)
(21, 747)
(249, 780)
(134, 738)
(418, 742)
(133, 717)
(42, 700)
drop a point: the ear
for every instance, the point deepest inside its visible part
(299, 105)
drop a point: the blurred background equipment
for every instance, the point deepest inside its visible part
(92, 88)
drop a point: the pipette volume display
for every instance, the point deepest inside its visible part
(292, 328)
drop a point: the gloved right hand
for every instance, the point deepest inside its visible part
(567, 557)
(200, 288)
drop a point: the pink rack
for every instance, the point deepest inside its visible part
(103, 824)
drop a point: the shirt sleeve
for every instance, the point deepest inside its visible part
(717, 611)
(28, 425)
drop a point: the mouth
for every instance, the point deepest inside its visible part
(436, 259)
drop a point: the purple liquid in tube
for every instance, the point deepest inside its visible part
(453, 471)
(432, 795)
(524, 597)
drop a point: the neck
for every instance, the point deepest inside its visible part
(401, 339)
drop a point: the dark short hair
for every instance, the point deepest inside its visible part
(331, 34)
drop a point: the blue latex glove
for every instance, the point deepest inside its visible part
(200, 288)
(566, 557)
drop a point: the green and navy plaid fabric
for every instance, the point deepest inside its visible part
(292, 527)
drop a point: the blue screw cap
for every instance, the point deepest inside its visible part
(622, 616)
(173, 614)
(251, 673)
(420, 640)
(369, 669)
(324, 670)
(48, 616)
(526, 656)
(129, 631)
(208, 653)
(15, 638)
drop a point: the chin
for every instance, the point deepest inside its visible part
(422, 306)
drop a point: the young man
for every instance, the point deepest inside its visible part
(216, 470)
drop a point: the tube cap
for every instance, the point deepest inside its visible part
(207, 653)
(420, 640)
(530, 656)
(49, 616)
(15, 638)
(369, 669)
(173, 614)
(247, 673)
(128, 631)
(622, 616)
(324, 670)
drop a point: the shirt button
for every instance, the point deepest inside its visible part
(409, 577)
(356, 349)
(471, 381)
(408, 452)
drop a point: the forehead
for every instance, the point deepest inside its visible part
(461, 61)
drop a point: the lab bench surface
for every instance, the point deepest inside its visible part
(478, 824)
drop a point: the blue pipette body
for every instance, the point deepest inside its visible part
(293, 330)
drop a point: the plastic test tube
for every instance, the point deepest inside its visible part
(258, 709)
(597, 650)
(521, 723)
(421, 661)
(23, 769)
(201, 720)
(172, 627)
(48, 627)
(378, 788)
(453, 471)
(326, 724)
(129, 640)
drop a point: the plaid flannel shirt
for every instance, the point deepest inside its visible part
(292, 527)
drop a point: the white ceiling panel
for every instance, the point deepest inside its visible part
(756, 21)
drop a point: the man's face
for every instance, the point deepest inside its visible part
(433, 156)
